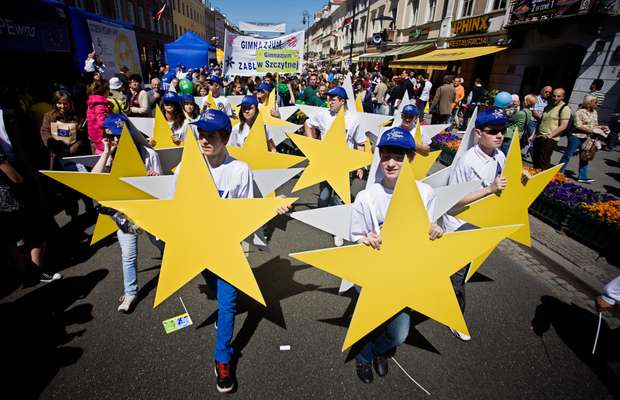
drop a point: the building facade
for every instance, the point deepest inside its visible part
(189, 16)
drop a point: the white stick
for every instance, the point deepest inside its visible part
(409, 376)
(598, 330)
(183, 304)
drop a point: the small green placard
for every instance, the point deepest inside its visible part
(282, 61)
(176, 323)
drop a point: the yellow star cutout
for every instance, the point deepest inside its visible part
(254, 151)
(162, 132)
(330, 159)
(200, 229)
(422, 164)
(211, 102)
(511, 205)
(108, 186)
(409, 270)
(359, 107)
(270, 120)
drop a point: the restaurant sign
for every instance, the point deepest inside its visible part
(471, 25)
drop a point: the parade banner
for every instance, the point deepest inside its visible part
(262, 27)
(240, 51)
(281, 61)
(115, 46)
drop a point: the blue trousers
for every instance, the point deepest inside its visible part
(573, 146)
(327, 196)
(385, 338)
(227, 308)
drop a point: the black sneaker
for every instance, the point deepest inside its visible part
(381, 365)
(364, 372)
(225, 380)
(46, 277)
(585, 180)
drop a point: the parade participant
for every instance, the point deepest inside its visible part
(202, 90)
(482, 162)
(97, 109)
(232, 179)
(173, 112)
(262, 92)
(154, 95)
(309, 95)
(247, 116)
(607, 301)
(368, 214)
(190, 108)
(138, 99)
(127, 233)
(409, 117)
(215, 88)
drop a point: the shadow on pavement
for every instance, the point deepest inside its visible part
(576, 327)
(36, 338)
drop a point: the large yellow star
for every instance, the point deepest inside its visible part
(201, 230)
(409, 270)
(511, 205)
(422, 164)
(270, 120)
(108, 186)
(330, 159)
(255, 153)
(162, 132)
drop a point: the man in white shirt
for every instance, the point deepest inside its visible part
(215, 88)
(318, 125)
(369, 211)
(483, 162)
(425, 95)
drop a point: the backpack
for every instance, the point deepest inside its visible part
(571, 121)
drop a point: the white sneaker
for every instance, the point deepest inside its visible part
(338, 241)
(127, 301)
(460, 335)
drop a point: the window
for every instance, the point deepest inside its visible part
(412, 12)
(467, 7)
(130, 13)
(141, 17)
(98, 7)
(495, 5)
(118, 10)
(430, 13)
(378, 24)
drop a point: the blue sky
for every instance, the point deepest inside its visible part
(287, 11)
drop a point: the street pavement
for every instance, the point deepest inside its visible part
(66, 339)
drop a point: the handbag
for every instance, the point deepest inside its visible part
(588, 150)
(66, 132)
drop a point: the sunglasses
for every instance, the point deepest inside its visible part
(494, 131)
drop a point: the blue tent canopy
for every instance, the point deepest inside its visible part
(190, 50)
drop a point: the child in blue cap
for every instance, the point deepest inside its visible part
(483, 162)
(221, 102)
(248, 111)
(173, 112)
(409, 120)
(396, 147)
(190, 108)
(232, 179)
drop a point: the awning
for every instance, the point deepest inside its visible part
(426, 67)
(373, 57)
(456, 54)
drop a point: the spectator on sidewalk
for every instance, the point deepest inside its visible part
(425, 93)
(519, 120)
(155, 94)
(97, 109)
(441, 106)
(379, 96)
(116, 96)
(138, 99)
(595, 90)
(542, 101)
(553, 124)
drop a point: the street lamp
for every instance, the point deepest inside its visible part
(306, 21)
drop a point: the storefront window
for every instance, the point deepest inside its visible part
(467, 7)
(495, 5)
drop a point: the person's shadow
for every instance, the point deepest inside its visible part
(38, 328)
(577, 328)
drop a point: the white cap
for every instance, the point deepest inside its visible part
(115, 83)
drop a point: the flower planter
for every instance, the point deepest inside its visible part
(596, 234)
(446, 157)
(552, 212)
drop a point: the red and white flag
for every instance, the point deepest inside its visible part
(160, 12)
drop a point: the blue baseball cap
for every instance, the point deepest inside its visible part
(213, 120)
(338, 91)
(410, 110)
(248, 101)
(264, 86)
(114, 124)
(187, 98)
(397, 137)
(168, 77)
(215, 79)
(491, 116)
(171, 97)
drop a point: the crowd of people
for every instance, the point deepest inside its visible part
(38, 131)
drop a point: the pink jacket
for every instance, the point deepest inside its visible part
(97, 109)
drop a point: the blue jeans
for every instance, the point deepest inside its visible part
(129, 257)
(327, 196)
(227, 308)
(573, 146)
(385, 338)
(458, 278)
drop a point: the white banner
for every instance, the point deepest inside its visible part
(262, 27)
(116, 47)
(240, 51)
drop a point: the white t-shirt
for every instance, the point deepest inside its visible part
(238, 139)
(474, 165)
(233, 179)
(371, 205)
(324, 120)
(151, 160)
(179, 133)
(426, 91)
(221, 103)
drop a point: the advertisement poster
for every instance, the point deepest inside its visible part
(115, 46)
